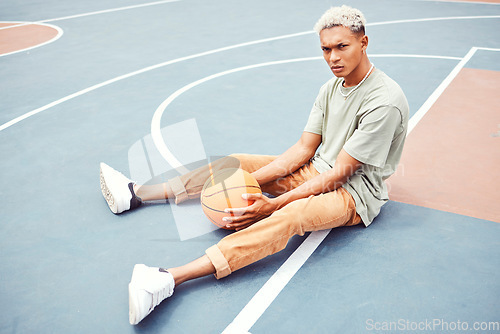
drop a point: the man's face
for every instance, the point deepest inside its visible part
(342, 50)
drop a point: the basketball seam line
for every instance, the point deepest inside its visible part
(222, 211)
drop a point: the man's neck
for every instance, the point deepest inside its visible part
(358, 74)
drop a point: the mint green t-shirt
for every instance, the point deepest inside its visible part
(370, 125)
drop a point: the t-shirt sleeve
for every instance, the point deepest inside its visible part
(315, 121)
(371, 141)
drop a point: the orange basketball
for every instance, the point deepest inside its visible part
(223, 189)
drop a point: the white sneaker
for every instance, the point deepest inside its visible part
(118, 190)
(148, 287)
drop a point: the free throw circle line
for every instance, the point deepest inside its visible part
(156, 121)
(158, 140)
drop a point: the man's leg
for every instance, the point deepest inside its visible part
(242, 248)
(207, 265)
(189, 186)
(195, 269)
(149, 286)
(271, 234)
(117, 188)
(290, 181)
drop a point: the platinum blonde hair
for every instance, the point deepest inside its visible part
(344, 16)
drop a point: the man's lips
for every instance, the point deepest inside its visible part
(337, 68)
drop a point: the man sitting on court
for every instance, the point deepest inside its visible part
(358, 122)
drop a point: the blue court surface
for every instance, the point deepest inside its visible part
(152, 87)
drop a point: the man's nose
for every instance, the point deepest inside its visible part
(334, 57)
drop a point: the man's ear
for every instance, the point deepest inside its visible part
(364, 42)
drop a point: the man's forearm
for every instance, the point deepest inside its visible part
(330, 180)
(322, 183)
(285, 164)
(291, 159)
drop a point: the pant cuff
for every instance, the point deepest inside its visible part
(218, 261)
(178, 189)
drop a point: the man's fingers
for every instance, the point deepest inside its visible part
(234, 219)
(236, 211)
(236, 222)
(240, 211)
(239, 218)
(242, 227)
(251, 196)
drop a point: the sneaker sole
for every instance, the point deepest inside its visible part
(108, 196)
(133, 305)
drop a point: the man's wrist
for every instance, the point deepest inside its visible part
(260, 177)
(281, 200)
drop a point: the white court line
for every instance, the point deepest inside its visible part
(144, 70)
(156, 121)
(438, 91)
(249, 315)
(60, 31)
(489, 49)
(389, 55)
(153, 67)
(55, 38)
(430, 19)
(269, 291)
(21, 24)
(92, 13)
(441, 88)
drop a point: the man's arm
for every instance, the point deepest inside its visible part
(292, 159)
(345, 166)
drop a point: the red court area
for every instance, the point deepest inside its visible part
(18, 36)
(451, 158)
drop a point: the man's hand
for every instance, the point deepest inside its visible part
(243, 217)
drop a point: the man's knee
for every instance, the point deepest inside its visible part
(239, 160)
(220, 164)
(293, 216)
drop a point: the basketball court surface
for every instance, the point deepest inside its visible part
(156, 88)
